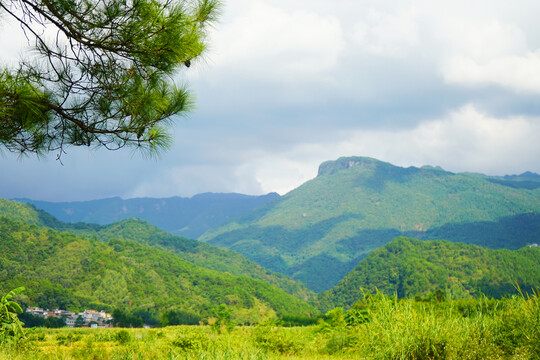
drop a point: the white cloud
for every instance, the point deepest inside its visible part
(471, 140)
(481, 37)
(488, 49)
(519, 73)
(289, 84)
(282, 174)
(265, 41)
(194, 179)
(386, 34)
(465, 140)
(12, 41)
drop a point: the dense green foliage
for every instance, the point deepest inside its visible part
(200, 254)
(20, 212)
(189, 217)
(142, 232)
(318, 232)
(63, 270)
(11, 328)
(105, 78)
(409, 267)
(31, 321)
(377, 328)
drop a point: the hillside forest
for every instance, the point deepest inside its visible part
(405, 287)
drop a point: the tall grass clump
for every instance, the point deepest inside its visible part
(404, 330)
(518, 329)
(462, 329)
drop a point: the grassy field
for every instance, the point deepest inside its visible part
(377, 328)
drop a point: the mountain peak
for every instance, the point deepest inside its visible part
(332, 166)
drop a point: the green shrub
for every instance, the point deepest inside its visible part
(335, 318)
(123, 337)
(11, 328)
(277, 340)
(292, 320)
(340, 341)
(103, 336)
(67, 339)
(196, 340)
(355, 317)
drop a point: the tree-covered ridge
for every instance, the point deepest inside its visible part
(196, 252)
(189, 217)
(409, 267)
(319, 231)
(106, 78)
(63, 270)
(527, 180)
(19, 212)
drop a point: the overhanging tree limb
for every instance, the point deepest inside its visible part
(104, 72)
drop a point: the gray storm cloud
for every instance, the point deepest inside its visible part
(287, 85)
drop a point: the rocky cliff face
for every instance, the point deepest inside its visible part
(331, 167)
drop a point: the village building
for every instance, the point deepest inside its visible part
(87, 318)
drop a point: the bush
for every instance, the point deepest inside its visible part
(340, 341)
(68, 339)
(11, 328)
(355, 317)
(292, 320)
(196, 341)
(277, 340)
(171, 318)
(123, 337)
(123, 319)
(223, 321)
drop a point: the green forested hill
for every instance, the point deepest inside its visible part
(321, 230)
(198, 253)
(20, 212)
(408, 267)
(61, 269)
(142, 232)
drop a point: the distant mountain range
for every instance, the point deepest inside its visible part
(319, 232)
(189, 217)
(347, 231)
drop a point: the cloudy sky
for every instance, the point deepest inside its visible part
(287, 85)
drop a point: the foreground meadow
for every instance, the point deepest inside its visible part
(376, 328)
